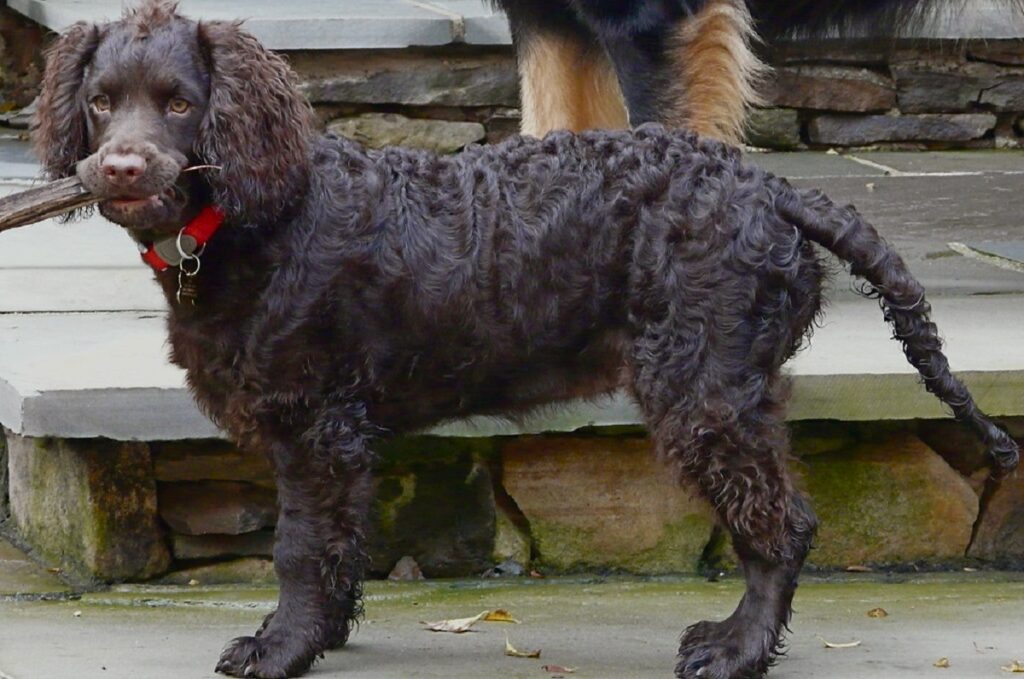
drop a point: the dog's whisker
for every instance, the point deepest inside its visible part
(196, 168)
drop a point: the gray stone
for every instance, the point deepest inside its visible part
(114, 381)
(509, 568)
(208, 460)
(248, 571)
(831, 88)
(409, 78)
(1014, 425)
(390, 129)
(604, 503)
(1007, 95)
(406, 570)
(5, 502)
(813, 437)
(956, 443)
(774, 128)
(844, 51)
(88, 507)
(217, 507)
(512, 541)
(1007, 137)
(303, 25)
(435, 503)
(502, 124)
(1000, 535)
(862, 130)
(21, 60)
(190, 547)
(19, 118)
(939, 86)
(895, 502)
(1006, 52)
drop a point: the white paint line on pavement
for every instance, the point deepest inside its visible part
(893, 172)
(1001, 262)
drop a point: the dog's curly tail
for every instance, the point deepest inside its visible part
(845, 233)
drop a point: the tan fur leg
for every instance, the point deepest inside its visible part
(719, 71)
(567, 86)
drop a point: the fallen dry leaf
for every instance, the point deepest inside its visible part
(499, 615)
(1016, 666)
(460, 625)
(456, 626)
(878, 613)
(558, 669)
(510, 650)
(942, 663)
(830, 644)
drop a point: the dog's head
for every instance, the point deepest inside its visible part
(131, 105)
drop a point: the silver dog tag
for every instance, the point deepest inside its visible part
(168, 248)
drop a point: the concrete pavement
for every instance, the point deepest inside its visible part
(603, 627)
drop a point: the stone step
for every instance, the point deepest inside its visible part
(315, 24)
(379, 24)
(106, 374)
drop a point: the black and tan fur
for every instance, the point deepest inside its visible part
(682, 63)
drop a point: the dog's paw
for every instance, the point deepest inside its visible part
(720, 650)
(255, 657)
(336, 636)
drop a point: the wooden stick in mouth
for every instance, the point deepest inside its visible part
(43, 202)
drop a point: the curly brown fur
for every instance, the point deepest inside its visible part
(386, 291)
(59, 133)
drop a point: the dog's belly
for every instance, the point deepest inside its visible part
(509, 389)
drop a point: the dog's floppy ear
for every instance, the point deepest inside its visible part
(258, 127)
(59, 131)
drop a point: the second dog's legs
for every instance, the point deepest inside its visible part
(697, 72)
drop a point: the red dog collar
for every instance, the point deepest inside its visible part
(172, 251)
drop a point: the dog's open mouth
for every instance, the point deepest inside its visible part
(132, 211)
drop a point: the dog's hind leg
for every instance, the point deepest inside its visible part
(325, 486)
(566, 79)
(698, 71)
(719, 426)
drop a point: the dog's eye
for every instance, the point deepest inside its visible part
(179, 105)
(101, 103)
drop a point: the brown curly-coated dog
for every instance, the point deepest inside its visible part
(353, 294)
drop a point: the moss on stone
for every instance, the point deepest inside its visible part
(404, 451)
(88, 507)
(567, 548)
(893, 503)
(510, 542)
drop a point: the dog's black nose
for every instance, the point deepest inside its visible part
(122, 169)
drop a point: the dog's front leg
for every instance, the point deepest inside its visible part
(324, 492)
